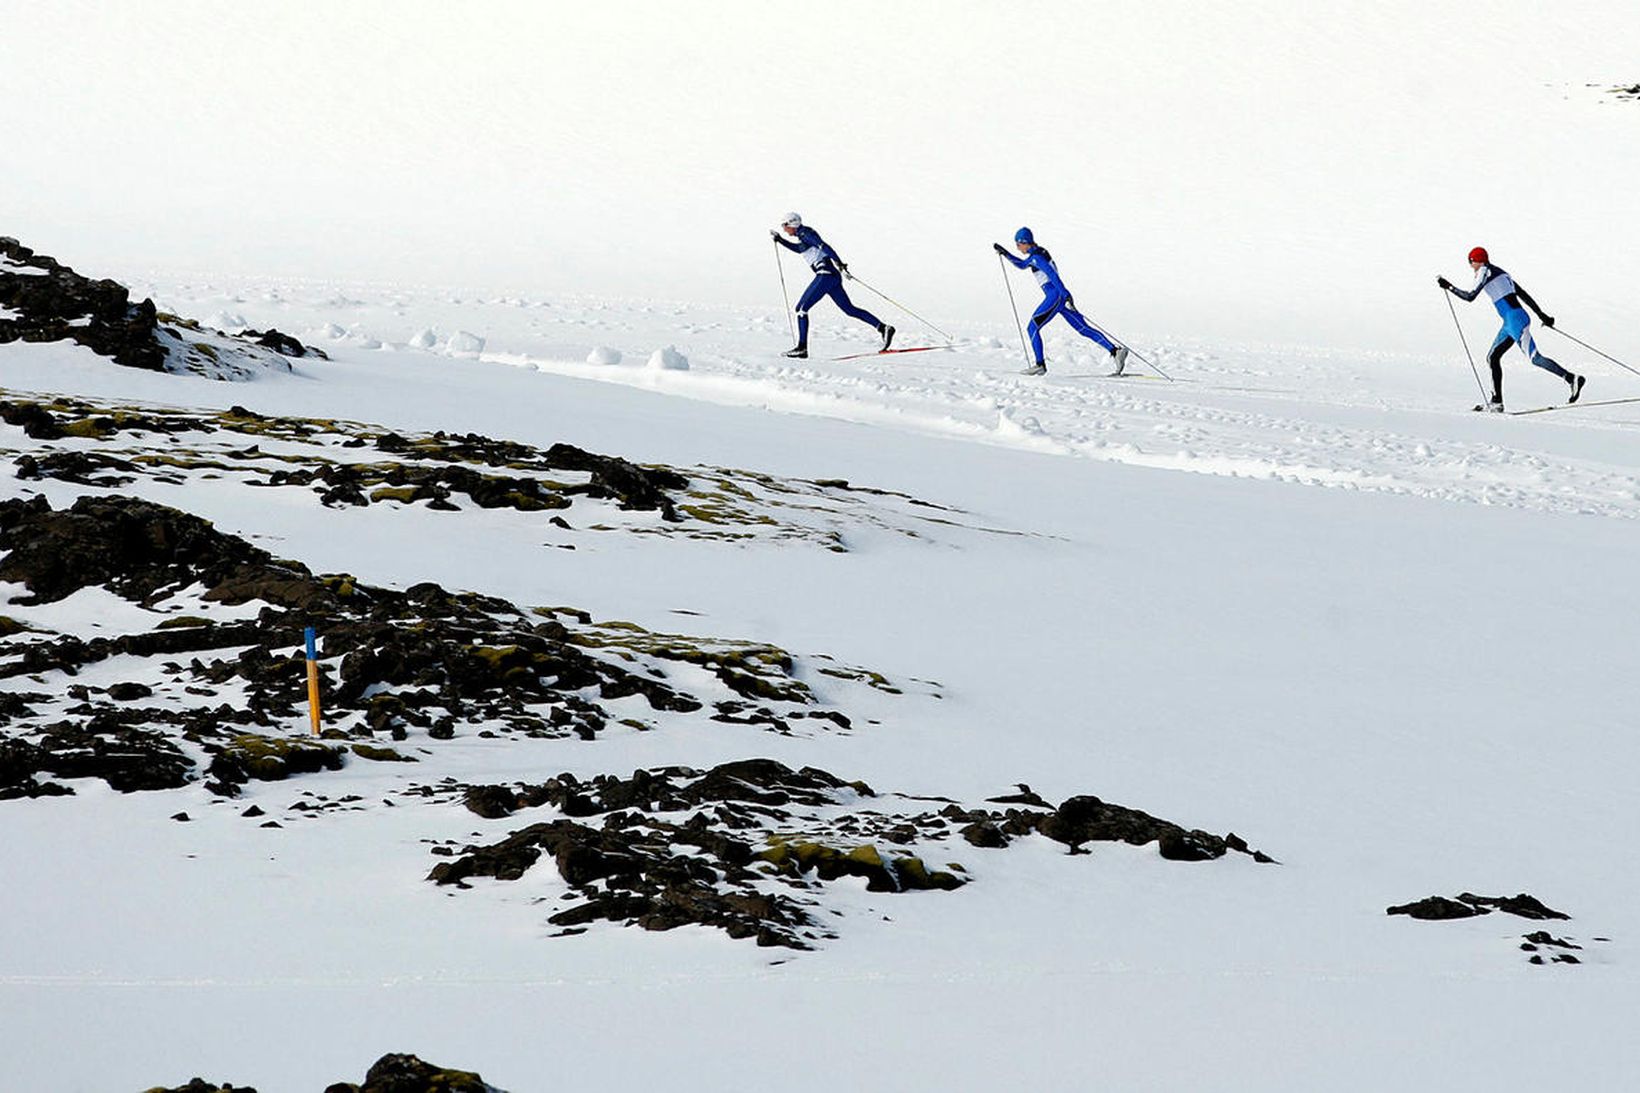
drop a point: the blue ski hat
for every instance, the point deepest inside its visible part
(1023, 235)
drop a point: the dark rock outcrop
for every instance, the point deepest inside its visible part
(54, 303)
(1088, 819)
(752, 822)
(283, 344)
(389, 1074)
(134, 548)
(422, 659)
(1469, 905)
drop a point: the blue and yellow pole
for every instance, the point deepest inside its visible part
(313, 679)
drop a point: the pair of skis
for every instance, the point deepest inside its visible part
(1564, 406)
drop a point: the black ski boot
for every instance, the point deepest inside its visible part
(800, 352)
(888, 336)
(1577, 387)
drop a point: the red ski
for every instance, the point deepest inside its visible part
(886, 352)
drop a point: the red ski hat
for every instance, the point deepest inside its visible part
(1479, 255)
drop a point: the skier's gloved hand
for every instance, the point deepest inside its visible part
(999, 248)
(1443, 282)
(1548, 320)
(842, 267)
(774, 235)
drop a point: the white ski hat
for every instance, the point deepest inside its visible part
(792, 220)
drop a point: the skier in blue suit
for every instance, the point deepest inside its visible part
(829, 271)
(1507, 297)
(1056, 300)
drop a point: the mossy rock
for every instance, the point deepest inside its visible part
(406, 494)
(152, 459)
(866, 855)
(10, 626)
(382, 755)
(913, 875)
(91, 428)
(496, 655)
(182, 622)
(343, 584)
(830, 862)
(207, 350)
(862, 675)
(273, 759)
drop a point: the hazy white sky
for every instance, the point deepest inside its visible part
(1257, 169)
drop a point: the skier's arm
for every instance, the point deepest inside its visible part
(788, 244)
(1019, 263)
(1463, 294)
(1526, 297)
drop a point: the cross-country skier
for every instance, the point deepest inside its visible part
(829, 271)
(1507, 297)
(1056, 300)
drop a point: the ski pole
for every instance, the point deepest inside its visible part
(1592, 349)
(1023, 348)
(1147, 362)
(784, 295)
(903, 308)
(1132, 350)
(1467, 355)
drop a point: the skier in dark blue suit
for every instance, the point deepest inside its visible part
(1056, 300)
(829, 271)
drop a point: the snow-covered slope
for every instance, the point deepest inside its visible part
(1296, 591)
(1381, 638)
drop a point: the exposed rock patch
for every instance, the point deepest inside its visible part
(447, 472)
(1469, 905)
(283, 344)
(763, 842)
(389, 1074)
(54, 304)
(422, 661)
(46, 301)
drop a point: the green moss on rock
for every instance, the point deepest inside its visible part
(272, 758)
(381, 755)
(182, 622)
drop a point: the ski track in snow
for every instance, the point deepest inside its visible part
(1243, 419)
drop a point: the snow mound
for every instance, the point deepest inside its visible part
(668, 360)
(603, 354)
(464, 342)
(424, 338)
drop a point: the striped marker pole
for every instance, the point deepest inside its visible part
(313, 679)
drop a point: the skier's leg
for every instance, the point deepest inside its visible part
(1080, 324)
(811, 296)
(848, 307)
(1047, 309)
(1494, 357)
(1528, 345)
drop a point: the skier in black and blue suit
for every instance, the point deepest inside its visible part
(1056, 300)
(1507, 296)
(829, 271)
